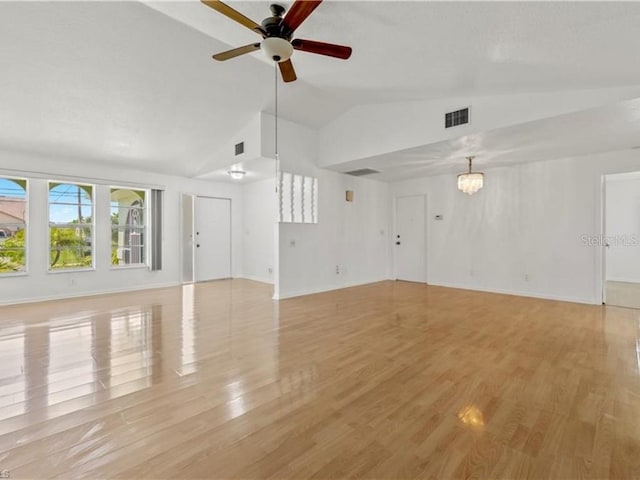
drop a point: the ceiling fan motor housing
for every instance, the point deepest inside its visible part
(273, 26)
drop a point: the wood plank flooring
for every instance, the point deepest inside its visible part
(389, 380)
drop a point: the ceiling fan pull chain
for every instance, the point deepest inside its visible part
(275, 70)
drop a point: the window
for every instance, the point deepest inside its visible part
(128, 227)
(298, 198)
(13, 223)
(70, 226)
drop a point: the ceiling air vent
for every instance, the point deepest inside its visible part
(362, 172)
(459, 117)
(239, 148)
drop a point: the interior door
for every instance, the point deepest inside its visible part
(212, 238)
(410, 245)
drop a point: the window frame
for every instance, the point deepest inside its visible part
(146, 228)
(26, 227)
(91, 225)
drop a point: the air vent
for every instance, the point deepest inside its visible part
(239, 148)
(459, 117)
(362, 172)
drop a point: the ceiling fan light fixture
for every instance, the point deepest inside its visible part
(277, 49)
(470, 182)
(236, 174)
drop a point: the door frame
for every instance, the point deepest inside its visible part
(187, 252)
(603, 235)
(425, 267)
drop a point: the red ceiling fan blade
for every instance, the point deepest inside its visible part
(321, 48)
(236, 52)
(287, 71)
(233, 14)
(298, 13)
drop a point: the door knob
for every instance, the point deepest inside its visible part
(397, 243)
(198, 245)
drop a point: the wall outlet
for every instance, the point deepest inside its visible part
(337, 269)
(526, 277)
(270, 270)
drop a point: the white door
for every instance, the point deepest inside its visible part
(212, 238)
(410, 245)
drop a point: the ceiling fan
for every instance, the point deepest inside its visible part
(277, 32)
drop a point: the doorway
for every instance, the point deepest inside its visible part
(410, 238)
(621, 240)
(212, 238)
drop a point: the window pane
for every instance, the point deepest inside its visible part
(13, 218)
(63, 214)
(70, 193)
(70, 247)
(127, 246)
(70, 257)
(127, 216)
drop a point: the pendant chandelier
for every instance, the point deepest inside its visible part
(470, 182)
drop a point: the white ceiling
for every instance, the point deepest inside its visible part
(259, 168)
(123, 83)
(597, 130)
(419, 49)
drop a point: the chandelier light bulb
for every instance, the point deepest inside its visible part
(470, 182)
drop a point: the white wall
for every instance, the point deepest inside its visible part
(351, 236)
(623, 228)
(524, 233)
(38, 284)
(260, 221)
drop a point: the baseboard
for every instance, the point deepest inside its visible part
(623, 280)
(257, 279)
(63, 296)
(311, 291)
(518, 293)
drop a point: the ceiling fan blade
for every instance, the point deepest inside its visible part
(226, 10)
(287, 71)
(321, 48)
(236, 52)
(298, 13)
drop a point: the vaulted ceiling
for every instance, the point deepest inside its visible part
(133, 83)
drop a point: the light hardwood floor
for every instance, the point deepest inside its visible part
(389, 380)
